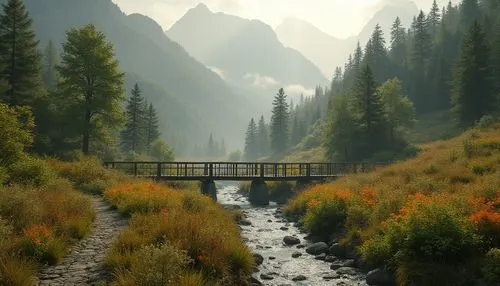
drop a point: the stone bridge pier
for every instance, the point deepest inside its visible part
(208, 188)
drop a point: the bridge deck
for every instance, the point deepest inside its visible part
(218, 171)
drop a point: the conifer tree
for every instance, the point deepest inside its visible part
(434, 19)
(495, 60)
(20, 57)
(251, 144)
(473, 94)
(50, 61)
(152, 126)
(295, 135)
(263, 138)
(419, 58)
(398, 41)
(376, 54)
(369, 111)
(279, 124)
(132, 137)
(211, 146)
(95, 102)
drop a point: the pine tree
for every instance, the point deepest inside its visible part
(295, 135)
(50, 61)
(434, 19)
(262, 138)
(495, 60)
(473, 94)
(419, 58)
(369, 111)
(95, 101)
(152, 126)
(339, 132)
(469, 10)
(20, 57)
(133, 136)
(398, 42)
(251, 144)
(279, 124)
(376, 54)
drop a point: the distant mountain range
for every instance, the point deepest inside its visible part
(243, 51)
(328, 52)
(192, 100)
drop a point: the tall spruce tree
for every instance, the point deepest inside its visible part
(398, 42)
(251, 141)
(419, 58)
(152, 126)
(211, 146)
(434, 19)
(19, 55)
(473, 94)
(91, 84)
(369, 111)
(376, 54)
(262, 138)
(495, 59)
(279, 124)
(133, 136)
(50, 62)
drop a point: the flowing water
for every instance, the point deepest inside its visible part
(265, 237)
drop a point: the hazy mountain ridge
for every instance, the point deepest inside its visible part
(203, 99)
(242, 47)
(328, 52)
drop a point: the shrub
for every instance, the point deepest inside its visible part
(30, 172)
(491, 267)
(162, 265)
(16, 271)
(16, 124)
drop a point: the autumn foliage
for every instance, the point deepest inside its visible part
(431, 220)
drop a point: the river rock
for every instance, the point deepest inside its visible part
(349, 263)
(266, 276)
(245, 222)
(378, 277)
(259, 259)
(337, 250)
(272, 258)
(330, 258)
(283, 228)
(296, 254)
(291, 240)
(347, 271)
(255, 282)
(299, 278)
(322, 256)
(331, 276)
(300, 246)
(317, 248)
(269, 220)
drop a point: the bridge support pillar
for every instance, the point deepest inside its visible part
(259, 193)
(208, 188)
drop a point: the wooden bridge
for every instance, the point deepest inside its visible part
(224, 171)
(257, 173)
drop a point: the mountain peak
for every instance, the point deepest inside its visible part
(202, 7)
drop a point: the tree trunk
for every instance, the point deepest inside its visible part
(86, 133)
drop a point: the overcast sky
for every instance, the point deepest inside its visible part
(339, 18)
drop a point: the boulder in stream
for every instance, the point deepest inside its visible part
(291, 240)
(245, 222)
(264, 276)
(322, 256)
(259, 259)
(317, 248)
(347, 271)
(299, 278)
(296, 254)
(379, 277)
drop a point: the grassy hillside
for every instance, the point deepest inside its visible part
(431, 220)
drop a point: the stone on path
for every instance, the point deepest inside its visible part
(85, 264)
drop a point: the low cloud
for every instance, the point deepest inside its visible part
(268, 82)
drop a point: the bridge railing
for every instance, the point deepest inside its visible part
(224, 170)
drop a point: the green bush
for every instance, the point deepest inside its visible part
(16, 124)
(326, 217)
(4, 175)
(491, 267)
(30, 172)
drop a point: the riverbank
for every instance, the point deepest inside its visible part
(430, 220)
(284, 253)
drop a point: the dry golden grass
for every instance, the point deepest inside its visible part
(184, 220)
(447, 199)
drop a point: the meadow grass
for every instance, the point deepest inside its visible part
(41, 215)
(431, 220)
(188, 238)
